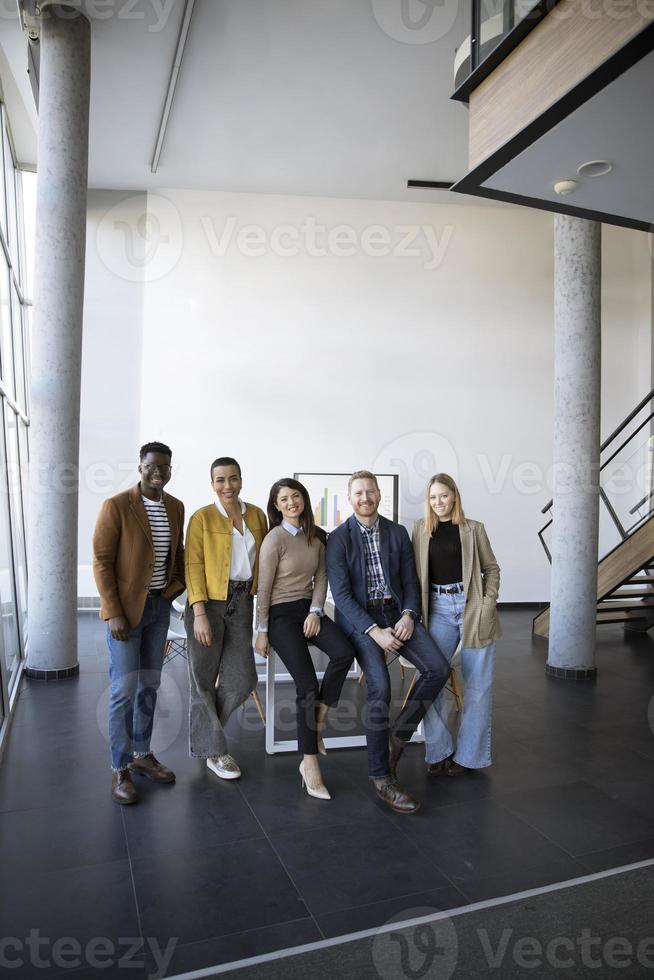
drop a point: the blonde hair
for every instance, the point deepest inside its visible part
(361, 475)
(431, 519)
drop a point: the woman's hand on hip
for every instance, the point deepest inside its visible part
(261, 644)
(311, 625)
(202, 629)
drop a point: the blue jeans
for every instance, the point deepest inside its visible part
(473, 746)
(135, 673)
(433, 672)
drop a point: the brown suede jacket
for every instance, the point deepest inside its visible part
(123, 554)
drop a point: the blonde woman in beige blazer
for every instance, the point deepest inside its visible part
(459, 580)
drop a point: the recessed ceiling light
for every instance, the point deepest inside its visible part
(565, 186)
(595, 168)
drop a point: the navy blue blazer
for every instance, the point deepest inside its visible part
(346, 571)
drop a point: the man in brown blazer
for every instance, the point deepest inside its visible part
(138, 563)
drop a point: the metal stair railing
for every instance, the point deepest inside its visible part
(647, 501)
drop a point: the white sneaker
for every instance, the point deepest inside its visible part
(224, 766)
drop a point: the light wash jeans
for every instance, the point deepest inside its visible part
(135, 672)
(473, 746)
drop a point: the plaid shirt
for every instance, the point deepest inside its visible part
(377, 588)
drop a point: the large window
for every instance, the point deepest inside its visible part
(17, 195)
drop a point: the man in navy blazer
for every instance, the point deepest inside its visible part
(373, 579)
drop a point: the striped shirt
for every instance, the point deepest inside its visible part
(377, 588)
(158, 518)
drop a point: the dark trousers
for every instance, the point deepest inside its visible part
(289, 642)
(433, 671)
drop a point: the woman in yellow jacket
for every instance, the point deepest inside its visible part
(460, 581)
(222, 564)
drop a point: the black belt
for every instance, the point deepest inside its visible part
(447, 590)
(155, 592)
(380, 603)
(238, 586)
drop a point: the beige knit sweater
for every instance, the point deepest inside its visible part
(289, 570)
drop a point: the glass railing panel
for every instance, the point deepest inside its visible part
(627, 480)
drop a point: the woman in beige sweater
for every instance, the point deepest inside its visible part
(290, 613)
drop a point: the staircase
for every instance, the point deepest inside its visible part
(625, 574)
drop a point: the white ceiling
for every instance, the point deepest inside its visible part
(614, 125)
(312, 97)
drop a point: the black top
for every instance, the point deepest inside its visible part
(445, 566)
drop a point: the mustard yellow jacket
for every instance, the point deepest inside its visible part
(208, 552)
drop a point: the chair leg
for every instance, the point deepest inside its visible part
(257, 701)
(410, 688)
(457, 690)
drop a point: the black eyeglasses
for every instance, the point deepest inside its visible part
(162, 468)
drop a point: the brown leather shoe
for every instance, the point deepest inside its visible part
(396, 747)
(148, 766)
(398, 799)
(454, 769)
(123, 789)
(439, 768)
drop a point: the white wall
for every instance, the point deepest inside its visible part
(320, 360)
(111, 360)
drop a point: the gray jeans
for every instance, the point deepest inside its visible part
(229, 660)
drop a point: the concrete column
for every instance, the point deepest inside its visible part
(577, 373)
(62, 167)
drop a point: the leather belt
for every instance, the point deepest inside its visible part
(447, 589)
(155, 592)
(380, 603)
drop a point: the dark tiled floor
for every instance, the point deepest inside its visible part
(230, 870)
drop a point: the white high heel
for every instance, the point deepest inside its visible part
(321, 793)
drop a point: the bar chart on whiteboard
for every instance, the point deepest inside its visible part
(328, 493)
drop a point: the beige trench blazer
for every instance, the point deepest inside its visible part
(481, 581)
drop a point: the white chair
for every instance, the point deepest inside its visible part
(176, 639)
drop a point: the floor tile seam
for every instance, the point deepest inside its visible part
(427, 858)
(131, 875)
(469, 908)
(627, 843)
(282, 864)
(245, 932)
(626, 806)
(352, 785)
(394, 898)
(462, 886)
(540, 833)
(172, 853)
